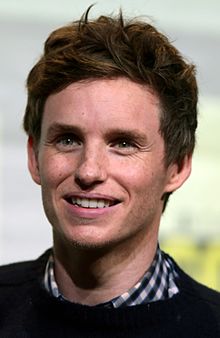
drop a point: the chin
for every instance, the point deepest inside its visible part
(85, 240)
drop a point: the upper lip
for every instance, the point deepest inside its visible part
(97, 196)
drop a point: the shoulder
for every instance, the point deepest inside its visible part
(17, 273)
(197, 291)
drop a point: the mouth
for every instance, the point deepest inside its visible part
(91, 203)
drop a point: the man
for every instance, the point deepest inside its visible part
(111, 119)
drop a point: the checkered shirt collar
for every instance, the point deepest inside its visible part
(158, 283)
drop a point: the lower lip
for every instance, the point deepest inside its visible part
(89, 213)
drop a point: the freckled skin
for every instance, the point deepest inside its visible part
(95, 163)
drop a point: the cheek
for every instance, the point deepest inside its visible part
(134, 175)
(144, 183)
(54, 170)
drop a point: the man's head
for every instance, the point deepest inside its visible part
(108, 48)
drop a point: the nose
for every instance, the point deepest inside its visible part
(91, 169)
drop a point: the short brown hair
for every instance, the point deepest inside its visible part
(110, 47)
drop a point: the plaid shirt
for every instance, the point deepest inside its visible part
(158, 283)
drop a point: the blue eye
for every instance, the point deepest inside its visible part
(67, 142)
(124, 144)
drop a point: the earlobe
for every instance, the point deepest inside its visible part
(33, 160)
(178, 174)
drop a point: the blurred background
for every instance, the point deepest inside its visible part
(190, 228)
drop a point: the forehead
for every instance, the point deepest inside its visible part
(117, 103)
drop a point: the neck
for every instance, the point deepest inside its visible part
(93, 276)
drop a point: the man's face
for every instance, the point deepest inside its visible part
(100, 162)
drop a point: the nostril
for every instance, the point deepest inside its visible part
(91, 167)
(85, 183)
(88, 175)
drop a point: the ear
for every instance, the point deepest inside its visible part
(178, 174)
(33, 160)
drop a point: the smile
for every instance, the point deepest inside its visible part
(92, 203)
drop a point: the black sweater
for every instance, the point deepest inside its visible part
(27, 310)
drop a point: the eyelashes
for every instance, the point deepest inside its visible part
(122, 142)
(68, 141)
(71, 142)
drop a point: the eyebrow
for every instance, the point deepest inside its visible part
(132, 134)
(57, 128)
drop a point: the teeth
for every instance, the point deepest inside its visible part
(102, 204)
(85, 203)
(78, 201)
(90, 203)
(93, 203)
